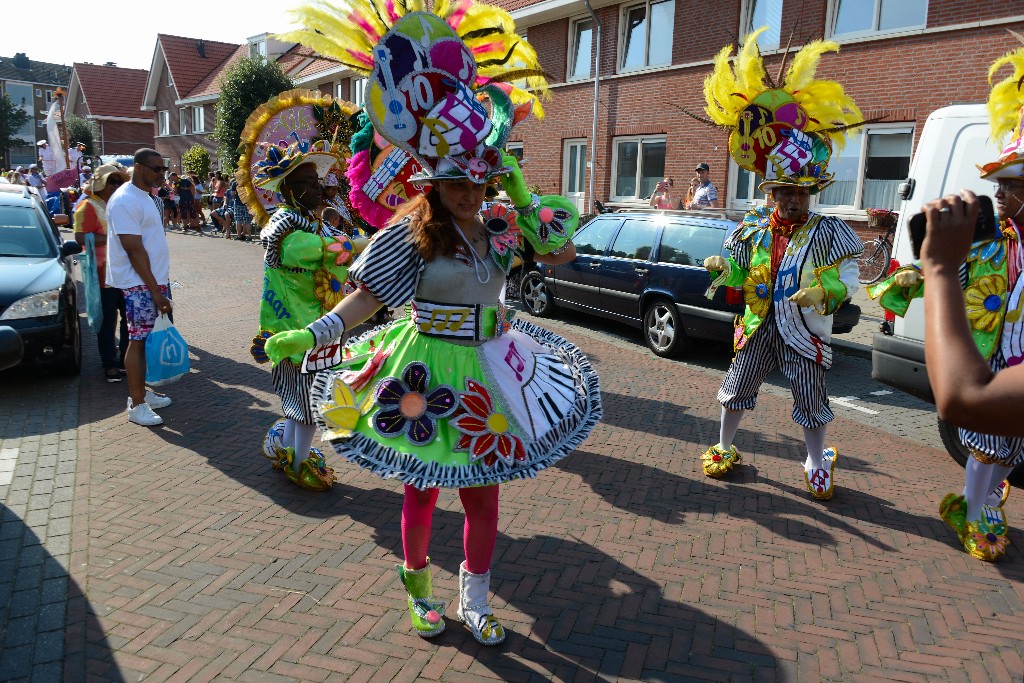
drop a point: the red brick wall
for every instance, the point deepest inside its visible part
(903, 78)
(123, 137)
(174, 145)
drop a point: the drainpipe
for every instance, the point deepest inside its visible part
(597, 83)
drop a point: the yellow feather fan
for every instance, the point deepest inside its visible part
(1006, 99)
(348, 31)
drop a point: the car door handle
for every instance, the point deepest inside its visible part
(640, 271)
(595, 265)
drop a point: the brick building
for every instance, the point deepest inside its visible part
(30, 85)
(898, 60)
(111, 98)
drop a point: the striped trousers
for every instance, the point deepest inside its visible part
(294, 389)
(1005, 450)
(765, 350)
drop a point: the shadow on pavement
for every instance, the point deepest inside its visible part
(47, 624)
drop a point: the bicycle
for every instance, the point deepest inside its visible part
(874, 260)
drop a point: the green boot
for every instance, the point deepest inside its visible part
(424, 611)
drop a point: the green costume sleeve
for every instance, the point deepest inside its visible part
(894, 298)
(547, 222)
(734, 275)
(835, 291)
(302, 250)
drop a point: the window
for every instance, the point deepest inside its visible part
(864, 17)
(258, 49)
(167, 162)
(647, 35)
(766, 13)
(21, 96)
(41, 123)
(635, 240)
(357, 91)
(689, 245)
(198, 120)
(592, 239)
(49, 96)
(163, 123)
(581, 44)
(39, 92)
(515, 149)
(183, 120)
(574, 167)
(638, 165)
(870, 169)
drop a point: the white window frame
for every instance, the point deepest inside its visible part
(167, 164)
(571, 41)
(756, 197)
(198, 119)
(337, 90)
(621, 48)
(39, 92)
(850, 210)
(357, 87)
(515, 145)
(183, 121)
(641, 139)
(163, 122)
(49, 96)
(566, 145)
(746, 20)
(40, 123)
(832, 14)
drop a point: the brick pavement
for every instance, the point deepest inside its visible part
(196, 561)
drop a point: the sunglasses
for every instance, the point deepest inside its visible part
(115, 181)
(158, 169)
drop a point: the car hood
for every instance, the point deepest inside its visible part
(21, 277)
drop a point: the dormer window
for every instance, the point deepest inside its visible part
(258, 49)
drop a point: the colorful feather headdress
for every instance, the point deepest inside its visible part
(429, 73)
(782, 131)
(1006, 116)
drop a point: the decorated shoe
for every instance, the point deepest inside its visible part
(718, 462)
(425, 612)
(997, 497)
(313, 473)
(820, 481)
(986, 538)
(953, 511)
(474, 610)
(273, 443)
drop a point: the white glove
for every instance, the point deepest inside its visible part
(808, 296)
(715, 263)
(908, 278)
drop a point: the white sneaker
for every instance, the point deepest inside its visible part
(143, 415)
(156, 400)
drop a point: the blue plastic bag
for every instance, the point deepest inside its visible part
(166, 353)
(91, 284)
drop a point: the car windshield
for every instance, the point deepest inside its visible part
(22, 233)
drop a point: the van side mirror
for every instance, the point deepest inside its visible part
(907, 188)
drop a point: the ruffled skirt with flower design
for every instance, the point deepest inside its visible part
(436, 414)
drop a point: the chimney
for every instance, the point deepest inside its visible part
(201, 48)
(110, 64)
(21, 61)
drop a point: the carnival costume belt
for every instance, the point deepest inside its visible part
(455, 321)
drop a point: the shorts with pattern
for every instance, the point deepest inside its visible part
(140, 310)
(241, 213)
(187, 209)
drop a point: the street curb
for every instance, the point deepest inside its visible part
(848, 348)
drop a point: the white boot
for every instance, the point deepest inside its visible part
(474, 610)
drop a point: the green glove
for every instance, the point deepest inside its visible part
(515, 186)
(289, 343)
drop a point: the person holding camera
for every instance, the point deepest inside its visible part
(973, 331)
(662, 197)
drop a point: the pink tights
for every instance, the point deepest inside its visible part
(478, 534)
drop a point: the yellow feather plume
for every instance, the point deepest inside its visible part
(1005, 99)
(728, 91)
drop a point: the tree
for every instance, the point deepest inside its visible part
(12, 118)
(81, 130)
(245, 86)
(196, 160)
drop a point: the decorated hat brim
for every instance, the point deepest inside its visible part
(1012, 168)
(324, 162)
(425, 177)
(815, 185)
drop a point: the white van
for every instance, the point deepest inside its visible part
(954, 142)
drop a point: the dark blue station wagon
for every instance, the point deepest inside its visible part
(646, 269)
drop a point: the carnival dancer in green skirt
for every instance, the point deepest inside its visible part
(456, 394)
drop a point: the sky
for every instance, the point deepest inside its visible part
(126, 34)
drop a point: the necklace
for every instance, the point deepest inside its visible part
(477, 261)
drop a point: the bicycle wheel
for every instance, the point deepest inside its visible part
(874, 262)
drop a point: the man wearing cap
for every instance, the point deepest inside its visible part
(84, 176)
(75, 153)
(796, 267)
(47, 158)
(91, 218)
(706, 194)
(33, 178)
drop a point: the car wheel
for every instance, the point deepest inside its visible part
(535, 295)
(663, 329)
(73, 365)
(950, 436)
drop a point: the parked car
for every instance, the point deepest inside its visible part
(646, 269)
(38, 295)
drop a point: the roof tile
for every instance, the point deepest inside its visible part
(112, 90)
(192, 60)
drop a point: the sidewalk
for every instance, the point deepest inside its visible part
(197, 562)
(858, 341)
